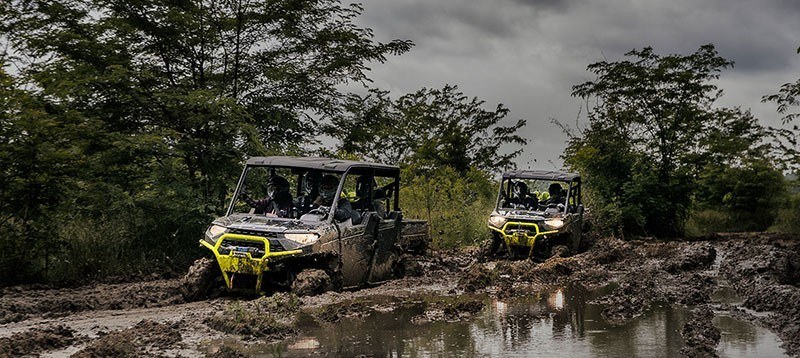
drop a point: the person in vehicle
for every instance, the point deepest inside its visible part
(521, 198)
(327, 192)
(557, 194)
(278, 201)
(377, 202)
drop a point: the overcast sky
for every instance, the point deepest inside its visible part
(527, 54)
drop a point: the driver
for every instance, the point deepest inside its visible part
(521, 198)
(278, 201)
(327, 192)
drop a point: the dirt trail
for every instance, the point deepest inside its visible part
(150, 318)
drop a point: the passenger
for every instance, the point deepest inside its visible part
(327, 192)
(557, 194)
(278, 201)
(364, 202)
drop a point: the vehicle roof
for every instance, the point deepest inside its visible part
(324, 164)
(541, 174)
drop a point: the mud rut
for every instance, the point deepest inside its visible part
(150, 318)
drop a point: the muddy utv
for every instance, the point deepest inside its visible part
(536, 211)
(308, 224)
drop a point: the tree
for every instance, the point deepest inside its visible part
(647, 123)
(738, 174)
(430, 127)
(149, 107)
(786, 98)
(786, 138)
(215, 79)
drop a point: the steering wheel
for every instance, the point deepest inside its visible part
(320, 210)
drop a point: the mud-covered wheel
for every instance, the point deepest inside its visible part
(560, 251)
(201, 281)
(311, 282)
(407, 266)
(489, 249)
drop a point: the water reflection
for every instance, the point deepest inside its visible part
(557, 323)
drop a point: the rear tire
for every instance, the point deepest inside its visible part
(312, 282)
(201, 281)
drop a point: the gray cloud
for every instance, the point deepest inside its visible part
(527, 53)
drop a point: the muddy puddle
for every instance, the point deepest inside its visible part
(560, 322)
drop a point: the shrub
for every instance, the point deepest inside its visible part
(456, 205)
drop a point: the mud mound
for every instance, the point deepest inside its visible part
(37, 340)
(477, 277)
(764, 272)
(254, 320)
(609, 250)
(700, 334)
(449, 311)
(20, 303)
(140, 340)
(635, 293)
(691, 257)
(692, 289)
(336, 312)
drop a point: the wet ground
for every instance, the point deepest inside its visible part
(559, 322)
(727, 295)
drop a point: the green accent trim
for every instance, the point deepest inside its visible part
(243, 262)
(525, 238)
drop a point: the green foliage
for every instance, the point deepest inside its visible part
(737, 198)
(788, 219)
(750, 194)
(786, 98)
(654, 141)
(785, 139)
(125, 125)
(456, 205)
(431, 127)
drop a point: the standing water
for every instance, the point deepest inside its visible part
(555, 323)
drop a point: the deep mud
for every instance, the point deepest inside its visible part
(145, 339)
(151, 318)
(37, 340)
(20, 303)
(699, 333)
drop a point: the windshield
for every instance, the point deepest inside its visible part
(308, 194)
(284, 192)
(536, 195)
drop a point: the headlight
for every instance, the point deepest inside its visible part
(303, 238)
(554, 223)
(214, 232)
(497, 221)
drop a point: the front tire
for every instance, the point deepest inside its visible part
(201, 280)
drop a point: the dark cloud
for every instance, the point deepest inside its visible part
(528, 53)
(557, 5)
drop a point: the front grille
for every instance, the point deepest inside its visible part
(256, 249)
(253, 233)
(274, 244)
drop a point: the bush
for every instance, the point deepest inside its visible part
(456, 205)
(788, 218)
